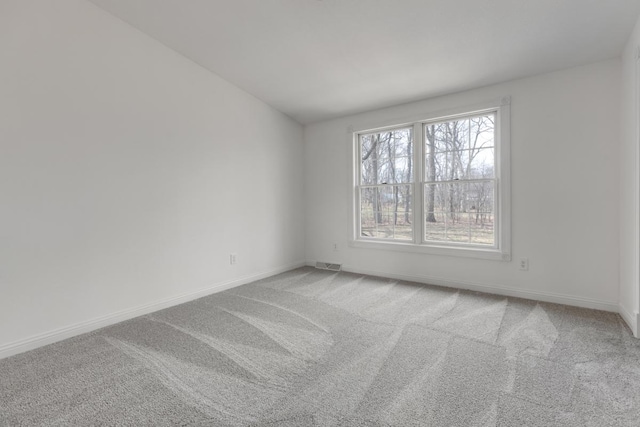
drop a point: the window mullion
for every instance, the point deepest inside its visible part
(358, 181)
(418, 183)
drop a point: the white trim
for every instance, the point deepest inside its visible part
(466, 251)
(630, 319)
(365, 126)
(552, 297)
(60, 334)
(636, 193)
(417, 201)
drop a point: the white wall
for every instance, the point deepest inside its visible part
(629, 182)
(565, 159)
(128, 174)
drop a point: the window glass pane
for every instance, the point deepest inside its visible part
(457, 199)
(460, 149)
(435, 198)
(448, 136)
(458, 227)
(480, 197)
(366, 141)
(438, 165)
(387, 157)
(435, 226)
(459, 134)
(441, 167)
(461, 164)
(481, 163)
(481, 131)
(482, 228)
(368, 205)
(459, 212)
(435, 138)
(385, 212)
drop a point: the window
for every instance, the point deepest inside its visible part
(435, 185)
(386, 184)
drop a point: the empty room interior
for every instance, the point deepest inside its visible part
(320, 212)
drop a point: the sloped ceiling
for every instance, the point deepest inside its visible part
(319, 59)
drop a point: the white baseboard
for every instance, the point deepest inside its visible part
(632, 319)
(60, 334)
(493, 289)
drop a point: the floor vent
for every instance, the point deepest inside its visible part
(328, 266)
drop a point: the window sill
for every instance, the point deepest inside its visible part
(456, 251)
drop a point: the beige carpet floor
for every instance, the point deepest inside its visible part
(316, 348)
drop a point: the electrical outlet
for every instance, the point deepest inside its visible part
(233, 259)
(524, 264)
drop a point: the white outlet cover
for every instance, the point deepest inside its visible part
(524, 264)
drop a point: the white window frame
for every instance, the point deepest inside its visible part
(502, 249)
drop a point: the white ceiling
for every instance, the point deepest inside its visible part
(319, 59)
